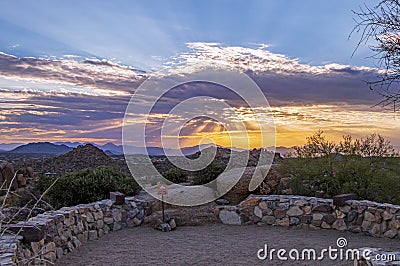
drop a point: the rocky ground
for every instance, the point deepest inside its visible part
(213, 244)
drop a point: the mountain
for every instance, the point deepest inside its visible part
(158, 151)
(111, 148)
(87, 156)
(9, 146)
(42, 147)
(70, 144)
(81, 157)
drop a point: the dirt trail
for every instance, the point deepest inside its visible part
(213, 244)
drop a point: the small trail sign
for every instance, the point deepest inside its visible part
(162, 190)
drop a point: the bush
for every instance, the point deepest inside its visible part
(85, 186)
(176, 175)
(208, 174)
(367, 167)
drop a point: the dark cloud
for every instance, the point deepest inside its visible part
(332, 88)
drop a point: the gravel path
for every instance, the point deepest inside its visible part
(211, 245)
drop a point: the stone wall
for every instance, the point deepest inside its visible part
(48, 236)
(358, 216)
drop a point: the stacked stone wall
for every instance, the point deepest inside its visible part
(358, 216)
(46, 237)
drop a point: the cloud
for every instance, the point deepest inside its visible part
(284, 80)
(86, 100)
(90, 73)
(245, 59)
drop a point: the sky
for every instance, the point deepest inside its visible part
(68, 69)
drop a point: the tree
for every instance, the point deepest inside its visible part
(176, 175)
(381, 25)
(367, 166)
(316, 146)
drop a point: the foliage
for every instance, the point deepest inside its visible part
(373, 145)
(85, 186)
(176, 175)
(208, 174)
(381, 24)
(366, 166)
(316, 146)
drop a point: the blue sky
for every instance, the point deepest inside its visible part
(68, 69)
(144, 33)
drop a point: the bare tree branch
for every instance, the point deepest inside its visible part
(379, 28)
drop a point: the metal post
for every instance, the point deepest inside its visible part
(162, 205)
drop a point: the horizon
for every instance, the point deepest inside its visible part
(15, 145)
(71, 82)
(67, 143)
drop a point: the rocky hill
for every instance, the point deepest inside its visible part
(87, 156)
(42, 148)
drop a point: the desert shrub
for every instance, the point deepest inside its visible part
(368, 167)
(176, 175)
(208, 174)
(86, 186)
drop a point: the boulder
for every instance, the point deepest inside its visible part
(269, 219)
(172, 224)
(390, 233)
(29, 172)
(21, 179)
(240, 190)
(294, 211)
(271, 182)
(7, 174)
(340, 225)
(283, 222)
(230, 217)
(222, 202)
(340, 200)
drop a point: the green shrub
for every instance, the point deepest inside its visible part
(85, 186)
(176, 175)
(208, 174)
(368, 167)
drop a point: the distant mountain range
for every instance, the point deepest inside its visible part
(42, 147)
(9, 146)
(108, 148)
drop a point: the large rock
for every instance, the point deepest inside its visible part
(340, 200)
(294, 211)
(21, 179)
(240, 190)
(29, 172)
(271, 182)
(340, 225)
(376, 230)
(369, 217)
(7, 174)
(390, 233)
(230, 217)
